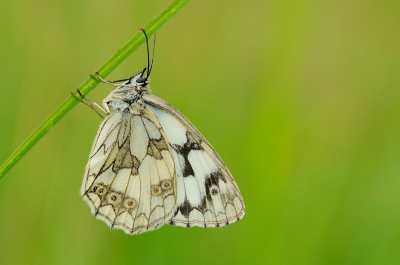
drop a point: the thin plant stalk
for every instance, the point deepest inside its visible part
(91, 83)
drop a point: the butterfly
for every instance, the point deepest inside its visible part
(149, 166)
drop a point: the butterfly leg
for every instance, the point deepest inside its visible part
(114, 83)
(89, 103)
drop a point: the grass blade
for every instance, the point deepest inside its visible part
(91, 83)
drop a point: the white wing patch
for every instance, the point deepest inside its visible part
(178, 135)
(130, 179)
(207, 193)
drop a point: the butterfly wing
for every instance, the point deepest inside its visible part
(130, 179)
(207, 193)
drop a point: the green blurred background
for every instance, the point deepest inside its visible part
(300, 98)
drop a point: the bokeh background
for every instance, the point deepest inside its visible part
(300, 98)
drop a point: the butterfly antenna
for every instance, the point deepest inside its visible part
(149, 64)
(152, 58)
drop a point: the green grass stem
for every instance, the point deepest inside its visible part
(91, 83)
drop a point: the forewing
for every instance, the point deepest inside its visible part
(208, 196)
(130, 179)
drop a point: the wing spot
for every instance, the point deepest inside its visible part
(166, 185)
(214, 191)
(114, 198)
(99, 189)
(130, 204)
(156, 190)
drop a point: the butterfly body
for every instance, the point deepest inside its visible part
(150, 166)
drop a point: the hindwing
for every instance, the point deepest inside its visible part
(130, 179)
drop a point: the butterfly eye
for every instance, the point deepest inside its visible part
(141, 81)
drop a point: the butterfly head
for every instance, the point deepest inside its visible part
(139, 80)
